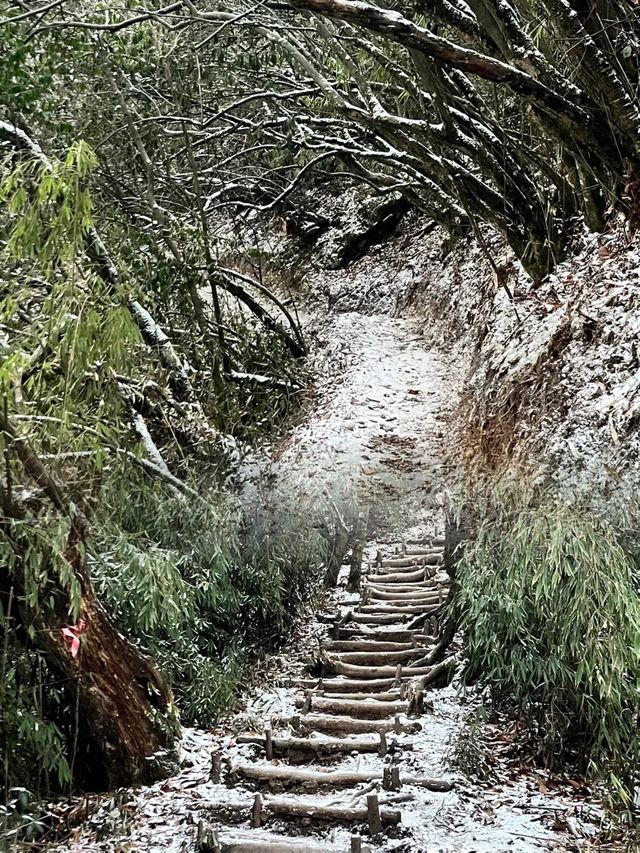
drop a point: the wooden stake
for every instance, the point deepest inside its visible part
(386, 778)
(206, 839)
(256, 812)
(397, 725)
(383, 743)
(307, 702)
(216, 767)
(373, 814)
(268, 742)
(355, 570)
(356, 844)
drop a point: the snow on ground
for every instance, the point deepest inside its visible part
(377, 437)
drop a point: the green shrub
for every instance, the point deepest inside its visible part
(549, 603)
(32, 746)
(200, 585)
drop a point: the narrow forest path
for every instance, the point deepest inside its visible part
(349, 746)
(376, 437)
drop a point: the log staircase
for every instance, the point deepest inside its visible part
(378, 659)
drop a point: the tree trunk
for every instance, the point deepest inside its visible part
(126, 723)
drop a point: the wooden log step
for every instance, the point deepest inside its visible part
(299, 807)
(255, 841)
(422, 550)
(399, 610)
(417, 576)
(349, 725)
(378, 672)
(431, 541)
(420, 587)
(400, 635)
(328, 778)
(320, 811)
(322, 748)
(407, 562)
(377, 618)
(389, 696)
(360, 708)
(416, 596)
(380, 658)
(348, 685)
(366, 646)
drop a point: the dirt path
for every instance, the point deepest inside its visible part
(376, 441)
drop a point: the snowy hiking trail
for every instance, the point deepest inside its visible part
(375, 441)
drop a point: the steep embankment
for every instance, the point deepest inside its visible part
(552, 390)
